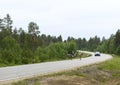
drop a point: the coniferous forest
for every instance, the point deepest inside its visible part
(18, 46)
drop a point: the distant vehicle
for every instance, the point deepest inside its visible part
(97, 53)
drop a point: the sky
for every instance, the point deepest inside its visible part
(76, 18)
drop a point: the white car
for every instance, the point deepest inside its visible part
(97, 53)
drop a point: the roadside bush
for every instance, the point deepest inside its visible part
(11, 51)
(42, 55)
(118, 50)
(27, 56)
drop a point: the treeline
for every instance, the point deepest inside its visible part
(83, 44)
(111, 45)
(20, 47)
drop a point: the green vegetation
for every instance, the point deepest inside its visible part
(111, 45)
(107, 73)
(113, 64)
(21, 47)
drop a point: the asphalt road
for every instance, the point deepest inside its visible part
(25, 71)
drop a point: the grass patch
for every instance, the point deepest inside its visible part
(113, 64)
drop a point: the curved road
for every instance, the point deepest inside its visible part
(25, 71)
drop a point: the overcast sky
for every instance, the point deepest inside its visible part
(77, 18)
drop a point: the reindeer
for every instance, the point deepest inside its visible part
(70, 55)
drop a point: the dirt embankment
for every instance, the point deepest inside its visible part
(91, 75)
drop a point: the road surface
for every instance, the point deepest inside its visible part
(24, 71)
